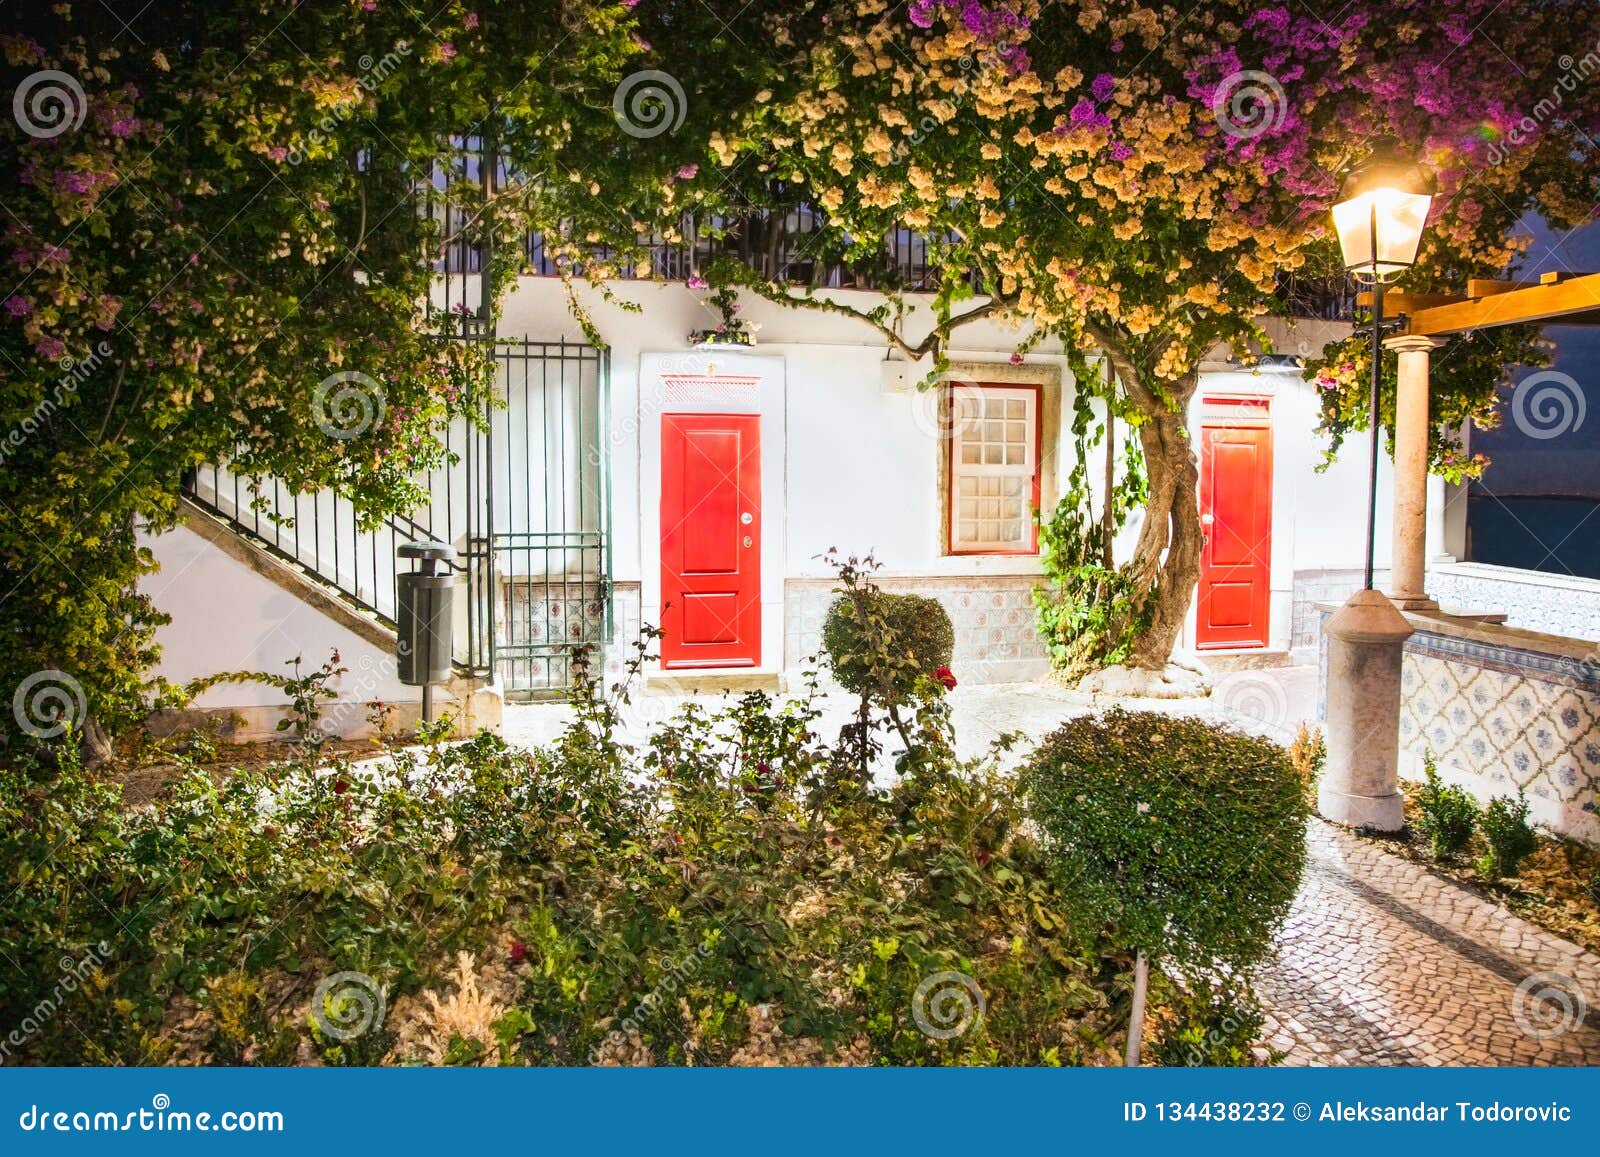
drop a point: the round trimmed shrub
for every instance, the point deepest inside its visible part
(1182, 839)
(902, 637)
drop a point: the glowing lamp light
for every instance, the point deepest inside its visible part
(1381, 216)
(1379, 221)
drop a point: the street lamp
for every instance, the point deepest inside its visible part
(1379, 220)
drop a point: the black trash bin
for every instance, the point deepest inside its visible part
(425, 606)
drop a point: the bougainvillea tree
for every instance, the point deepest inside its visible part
(213, 251)
(1133, 179)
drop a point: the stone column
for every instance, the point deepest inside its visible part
(1360, 779)
(1411, 473)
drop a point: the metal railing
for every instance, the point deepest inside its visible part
(525, 502)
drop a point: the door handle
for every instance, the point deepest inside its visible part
(748, 542)
(747, 518)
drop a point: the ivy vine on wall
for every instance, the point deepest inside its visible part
(1090, 610)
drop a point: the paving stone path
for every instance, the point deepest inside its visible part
(1384, 963)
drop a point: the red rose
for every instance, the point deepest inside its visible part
(340, 787)
(943, 675)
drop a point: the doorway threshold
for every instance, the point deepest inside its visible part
(711, 682)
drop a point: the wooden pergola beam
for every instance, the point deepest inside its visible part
(1573, 301)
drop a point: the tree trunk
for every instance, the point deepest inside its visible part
(1167, 558)
(1141, 985)
(1166, 561)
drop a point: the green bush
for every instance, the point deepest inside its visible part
(1185, 838)
(1208, 1025)
(1448, 815)
(1508, 834)
(725, 894)
(914, 630)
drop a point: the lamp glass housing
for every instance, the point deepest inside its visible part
(1380, 231)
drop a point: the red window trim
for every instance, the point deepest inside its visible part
(950, 547)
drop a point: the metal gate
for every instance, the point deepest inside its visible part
(544, 555)
(526, 504)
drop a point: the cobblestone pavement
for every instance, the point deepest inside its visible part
(1384, 963)
(1380, 963)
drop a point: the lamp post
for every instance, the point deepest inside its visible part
(1379, 220)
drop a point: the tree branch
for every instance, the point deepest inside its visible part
(930, 344)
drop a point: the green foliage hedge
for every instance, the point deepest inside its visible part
(914, 628)
(1510, 837)
(1448, 815)
(1185, 839)
(729, 893)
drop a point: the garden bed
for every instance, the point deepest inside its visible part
(735, 890)
(1551, 889)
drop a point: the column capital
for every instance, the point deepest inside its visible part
(1412, 343)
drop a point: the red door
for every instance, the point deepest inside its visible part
(711, 540)
(1236, 513)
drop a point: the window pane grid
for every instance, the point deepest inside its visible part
(994, 431)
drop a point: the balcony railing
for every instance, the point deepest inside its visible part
(780, 245)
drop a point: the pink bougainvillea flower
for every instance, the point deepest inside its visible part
(687, 172)
(698, 282)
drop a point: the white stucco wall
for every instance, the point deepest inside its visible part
(861, 460)
(227, 617)
(854, 460)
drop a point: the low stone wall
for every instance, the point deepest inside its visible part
(1533, 600)
(1503, 709)
(993, 617)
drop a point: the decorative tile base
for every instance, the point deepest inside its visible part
(1499, 718)
(1554, 604)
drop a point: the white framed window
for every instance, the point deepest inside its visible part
(994, 469)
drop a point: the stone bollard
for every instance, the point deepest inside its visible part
(1360, 782)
